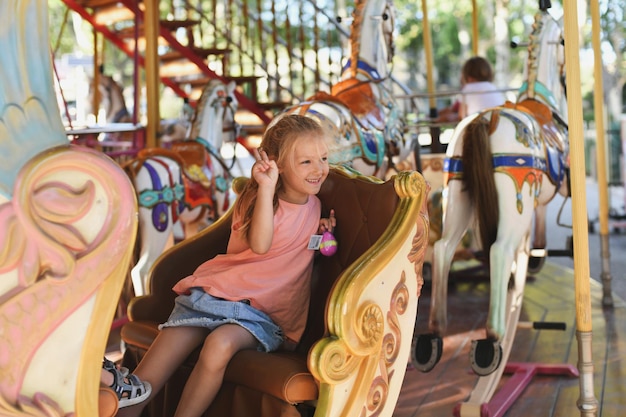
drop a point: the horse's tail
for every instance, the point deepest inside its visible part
(478, 179)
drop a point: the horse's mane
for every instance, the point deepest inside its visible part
(355, 35)
(533, 53)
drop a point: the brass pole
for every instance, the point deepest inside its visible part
(587, 402)
(435, 146)
(599, 115)
(152, 70)
(95, 100)
(428, 51)
(475, 27)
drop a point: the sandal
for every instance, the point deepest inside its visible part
(108, 365)
(130, 389)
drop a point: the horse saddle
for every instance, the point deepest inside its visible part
(193, 156)
(359, 98)
(551, 133)
(198, 186)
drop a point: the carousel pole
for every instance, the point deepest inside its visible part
(435, 146)
(151, 24)
(474, 27)
(598, 105)
(95, 100)
(587, 402)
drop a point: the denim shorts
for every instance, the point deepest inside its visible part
(199, 309)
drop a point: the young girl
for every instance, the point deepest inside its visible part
(256, 296)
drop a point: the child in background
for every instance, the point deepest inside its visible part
(256, 296)
(477, 91)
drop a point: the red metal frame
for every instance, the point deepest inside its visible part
(199, 62)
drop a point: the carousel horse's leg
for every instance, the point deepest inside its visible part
(178, 231)
(539, 239)
(487, 385)
(156, 177)
(509, 249)
(428, 347)
(152, 244)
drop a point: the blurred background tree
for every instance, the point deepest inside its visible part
(500, 22)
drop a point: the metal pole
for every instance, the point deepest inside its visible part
(95, 100)
(475, 27)
(587, 402)
(428, 51)
(598, 105)
(151, 25)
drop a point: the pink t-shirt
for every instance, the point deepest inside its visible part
(277, 282)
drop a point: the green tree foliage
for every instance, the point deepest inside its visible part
(61, 31)
(499, 22)
(451, 32)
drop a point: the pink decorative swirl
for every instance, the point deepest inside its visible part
(72, 209)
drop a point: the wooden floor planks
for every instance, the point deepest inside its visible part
(548, 296)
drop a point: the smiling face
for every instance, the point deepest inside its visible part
(303, 174)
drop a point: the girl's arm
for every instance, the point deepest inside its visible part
(261, 231)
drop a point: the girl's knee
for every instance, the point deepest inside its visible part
(217, 351)
(220, 346)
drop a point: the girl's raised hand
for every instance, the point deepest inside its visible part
(264, 170)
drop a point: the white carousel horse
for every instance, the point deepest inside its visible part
(188, 184)
(361, 113)
(502, 163)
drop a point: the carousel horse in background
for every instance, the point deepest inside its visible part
(189, 184)
(502, 163)
(116, 111)
(112, 95)
(360, 112)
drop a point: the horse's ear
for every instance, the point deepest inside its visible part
(231, 87)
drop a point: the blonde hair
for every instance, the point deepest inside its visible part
(279, 142)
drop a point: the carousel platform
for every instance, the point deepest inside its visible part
(548, 297)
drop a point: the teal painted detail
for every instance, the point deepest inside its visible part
(221, 184)
(150, 198)
(345, 156)
(541, 90)
(208, 146)
(372, 145)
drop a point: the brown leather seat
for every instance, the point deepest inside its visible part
(382, 232)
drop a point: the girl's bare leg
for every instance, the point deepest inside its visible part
(207, 375)
(168, 351)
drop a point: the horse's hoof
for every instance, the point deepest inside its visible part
(427, 349)
(485, 356)
(535, 263)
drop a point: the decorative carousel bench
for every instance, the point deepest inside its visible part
(353, 355)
